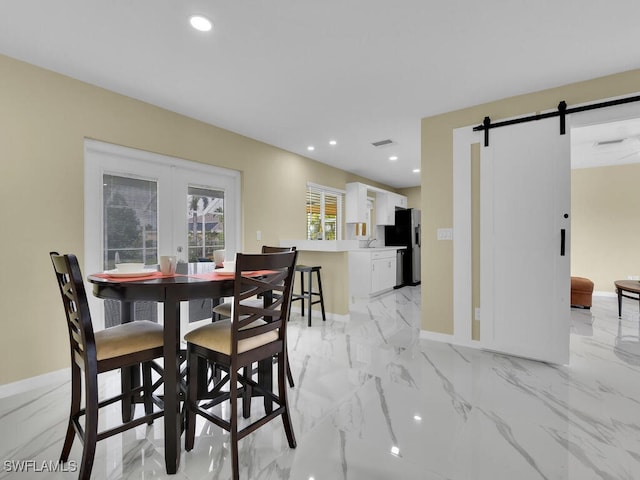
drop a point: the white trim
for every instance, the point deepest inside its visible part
(602, 293)
(463, 138)
(450, 339)
(171, 173)
(324, 188)
(21, 386)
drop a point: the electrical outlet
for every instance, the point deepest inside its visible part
(445, 234)
(258, 235)
(476, 314)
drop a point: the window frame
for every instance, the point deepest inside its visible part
(340, 200)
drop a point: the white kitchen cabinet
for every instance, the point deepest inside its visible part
(386, 204)
(356, 200)
(385, 211)
(371, 271)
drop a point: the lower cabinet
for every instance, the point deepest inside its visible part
(371, 272)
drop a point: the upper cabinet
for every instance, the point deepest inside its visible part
(356, 199)
(386, 204)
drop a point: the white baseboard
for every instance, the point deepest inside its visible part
(446, 338)
(604, 294)
(317, 315)
(21, 386)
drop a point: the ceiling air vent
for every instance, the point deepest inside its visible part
(383, 143)
(610, 142)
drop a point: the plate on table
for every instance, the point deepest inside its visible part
(137, 273)
(225, 271)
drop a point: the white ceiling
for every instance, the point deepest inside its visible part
(294, 73)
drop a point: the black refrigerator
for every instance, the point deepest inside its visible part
(406, 233)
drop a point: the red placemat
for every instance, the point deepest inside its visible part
(226, 276)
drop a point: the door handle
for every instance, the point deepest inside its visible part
(563, 237)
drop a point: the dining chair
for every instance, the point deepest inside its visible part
(130, 344)
(254, 333)
(223, 310)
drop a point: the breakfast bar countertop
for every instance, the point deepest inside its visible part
(321, 245)
(331, 246)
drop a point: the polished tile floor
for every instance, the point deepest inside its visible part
(374, 401)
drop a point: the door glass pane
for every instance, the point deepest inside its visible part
(130, 219)
(205, 214)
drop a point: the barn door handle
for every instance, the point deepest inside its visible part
(563, 236)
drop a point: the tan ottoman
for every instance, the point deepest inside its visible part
(581, 292)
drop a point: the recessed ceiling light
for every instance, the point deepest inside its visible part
(200, 23)
(393, 158)
(311, 148)
(395, 450)
(417, 418)
(332, 142)
(416, 170)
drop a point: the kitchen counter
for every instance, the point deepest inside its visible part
(375, 249)
(333, 246)
(321, 245)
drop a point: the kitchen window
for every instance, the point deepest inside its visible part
(324, 212)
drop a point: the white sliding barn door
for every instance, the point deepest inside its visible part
(525, 205)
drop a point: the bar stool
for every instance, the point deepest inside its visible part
(309, 294)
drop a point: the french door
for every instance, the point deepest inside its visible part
(140, 205)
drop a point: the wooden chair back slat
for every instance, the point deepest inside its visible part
(279, 280)
(76, 306)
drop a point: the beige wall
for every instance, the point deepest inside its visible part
(437, 178)
(44, 120)
(414, 196)
(605, 226)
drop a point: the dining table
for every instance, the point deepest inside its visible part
(191, 282)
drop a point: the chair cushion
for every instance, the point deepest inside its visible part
(128, 338)
(217, 337)
(224, 309)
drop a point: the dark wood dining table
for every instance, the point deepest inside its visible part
(199, 282)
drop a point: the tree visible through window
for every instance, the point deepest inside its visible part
(324, 213)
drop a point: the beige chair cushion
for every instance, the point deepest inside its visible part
(128, 338)
(225, 309)
(217, 337)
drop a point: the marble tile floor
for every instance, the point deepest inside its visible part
(374, 401)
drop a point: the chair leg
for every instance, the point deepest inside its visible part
(310, 298)
(148, 385)
(129, 379)
(302, 293)
(289, 374)
(233, 422)
(282, 393)
(324, 317)
(76, 396)
(193, 366)
(247, 393)
(90, 426)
